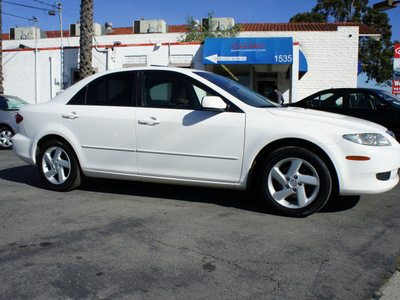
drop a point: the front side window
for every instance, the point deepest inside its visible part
(376, 102)
(359, 100)
(163, 89)
(114, 89)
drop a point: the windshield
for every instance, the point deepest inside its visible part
(395, 101)
(239, 91)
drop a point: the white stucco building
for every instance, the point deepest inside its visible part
(305, 57)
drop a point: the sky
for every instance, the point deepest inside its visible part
(122, 13)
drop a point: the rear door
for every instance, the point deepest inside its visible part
(101, 117)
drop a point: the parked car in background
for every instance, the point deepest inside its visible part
(9, 106)
(192, 127)
(370, 104)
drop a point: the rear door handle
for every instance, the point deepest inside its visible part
(151, 121)
(71, 115)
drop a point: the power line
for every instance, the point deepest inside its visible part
(18, 4)
(42, 3)
(3, 13)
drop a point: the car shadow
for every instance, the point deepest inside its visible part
(29, 175)
(221, 197)
(26, 174)
(340, 203)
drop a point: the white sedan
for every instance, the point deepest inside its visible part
(193, 127)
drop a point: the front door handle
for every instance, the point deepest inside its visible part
(71, 115)
(151, 121)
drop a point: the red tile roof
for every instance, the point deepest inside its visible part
(364, 29)
(57, 33)
(121, 30)
(178, 28)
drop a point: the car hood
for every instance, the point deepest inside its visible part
(338, 120)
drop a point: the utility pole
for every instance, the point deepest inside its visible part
(36, 62)
(1, 54)
(62, 47)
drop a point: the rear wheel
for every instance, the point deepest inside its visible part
(58, 166)
(294, 182)
(5, 137)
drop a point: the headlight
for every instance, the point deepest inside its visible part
(368, 139)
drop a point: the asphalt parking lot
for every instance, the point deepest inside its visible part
(127, 240)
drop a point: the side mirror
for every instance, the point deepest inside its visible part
(213, 103)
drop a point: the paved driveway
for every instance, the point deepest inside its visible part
(126, 240)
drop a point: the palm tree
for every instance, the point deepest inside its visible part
(1, 54)
(86, 35)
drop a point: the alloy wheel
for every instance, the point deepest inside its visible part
(293, 183)
(5, 138)
(56, 165)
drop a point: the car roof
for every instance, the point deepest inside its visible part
(346, 89)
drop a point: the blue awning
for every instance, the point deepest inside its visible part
(303, 65)
(278, 50)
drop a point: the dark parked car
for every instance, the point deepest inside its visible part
(371, 104)
(9, 106)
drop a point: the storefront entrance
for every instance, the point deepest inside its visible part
(265, 87)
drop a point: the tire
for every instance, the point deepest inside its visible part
(58, 166)
(294, 182)
(5, 137)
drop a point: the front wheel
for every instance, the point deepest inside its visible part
(58, 166)
(294, 182)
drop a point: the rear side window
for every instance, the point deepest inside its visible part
(110, 90)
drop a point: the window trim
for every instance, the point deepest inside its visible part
(133, 78)
(140, 90)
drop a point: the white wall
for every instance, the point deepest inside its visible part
(332, 59)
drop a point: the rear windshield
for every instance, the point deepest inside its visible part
(11, 103)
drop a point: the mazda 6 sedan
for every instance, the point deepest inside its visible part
(192, 127)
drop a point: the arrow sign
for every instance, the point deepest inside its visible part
(248, 51)
(215, 58)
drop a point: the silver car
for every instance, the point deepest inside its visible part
(9, 105)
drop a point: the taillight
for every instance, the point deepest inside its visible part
(18, 118)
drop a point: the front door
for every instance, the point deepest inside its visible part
(177, 139)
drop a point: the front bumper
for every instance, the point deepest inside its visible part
(376, 175)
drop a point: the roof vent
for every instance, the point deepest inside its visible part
(27, 33)
(75, 29)
(150, 26)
